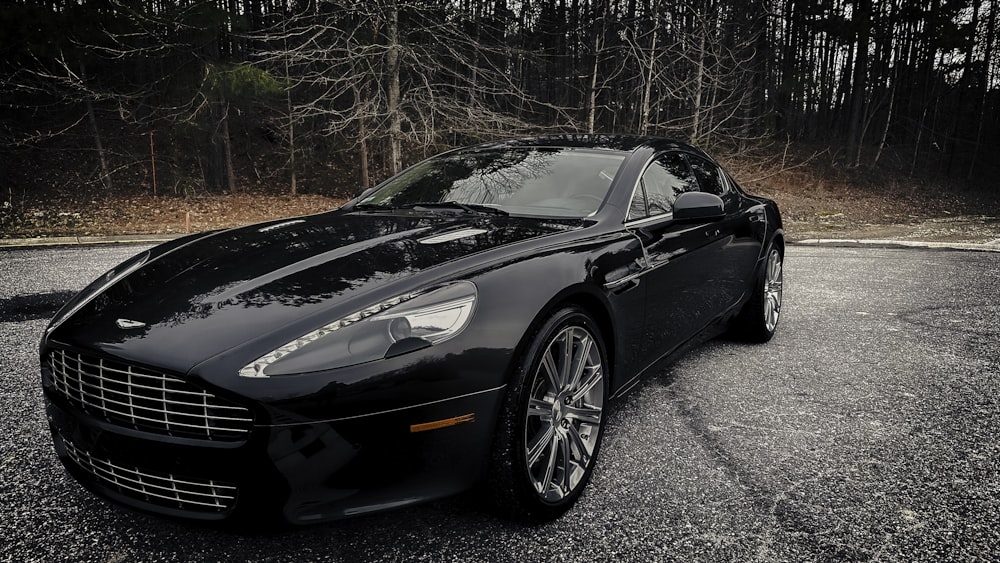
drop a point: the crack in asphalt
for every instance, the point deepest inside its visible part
(978, 319)
(801, 527)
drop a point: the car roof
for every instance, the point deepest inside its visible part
(624, 143)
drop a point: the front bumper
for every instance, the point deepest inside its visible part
(302, 472)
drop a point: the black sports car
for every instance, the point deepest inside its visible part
(466, 321)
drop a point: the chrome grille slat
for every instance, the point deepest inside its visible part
(164, 401)
(183, 424)
(153, 487)
(139, 398)
(132, 375)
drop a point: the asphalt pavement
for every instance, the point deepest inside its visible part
(865, 431)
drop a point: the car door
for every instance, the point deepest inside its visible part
(735, 246)
(680, 300)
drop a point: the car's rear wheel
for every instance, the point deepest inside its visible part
(759, 318)
(550, 430)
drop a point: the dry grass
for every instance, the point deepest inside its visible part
(159, 215)
(818, 197)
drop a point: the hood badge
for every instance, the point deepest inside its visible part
(129, 324)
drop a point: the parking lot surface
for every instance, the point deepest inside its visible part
(865, 431)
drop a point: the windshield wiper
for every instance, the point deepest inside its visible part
(466, 207)
(378, 207)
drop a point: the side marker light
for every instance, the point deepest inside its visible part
(425, 426)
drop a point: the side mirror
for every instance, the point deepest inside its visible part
(364, 194)
(698, 206)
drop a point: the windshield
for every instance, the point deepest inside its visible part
(543, 181)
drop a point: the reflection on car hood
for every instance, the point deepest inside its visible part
(230, 287)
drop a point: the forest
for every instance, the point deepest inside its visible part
(192, 97)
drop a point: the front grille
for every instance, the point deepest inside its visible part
(162, 489)
(143, 399)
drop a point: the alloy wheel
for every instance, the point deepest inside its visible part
(564, 413)
(772, 290)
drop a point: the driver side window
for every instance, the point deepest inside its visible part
(664, 179)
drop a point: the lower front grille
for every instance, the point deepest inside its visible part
(162, 489)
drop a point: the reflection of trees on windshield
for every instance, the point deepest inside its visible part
(475, 177)
(499, 178)
(547, 178)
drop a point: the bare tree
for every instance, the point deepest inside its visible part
(356, 72)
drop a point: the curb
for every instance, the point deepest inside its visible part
(86, 240)
(991, 246)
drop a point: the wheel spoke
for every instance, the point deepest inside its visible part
(551, 370)
(567, 360)
(581, 446)
(593, 378)
(589, 415)
(566, 484)
(544, 439)
(579, 362)
(540, 408)
(774, 301)
(550, 467)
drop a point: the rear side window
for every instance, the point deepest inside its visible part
(710, 176)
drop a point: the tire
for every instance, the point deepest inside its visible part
(758, 320)
(550, 429)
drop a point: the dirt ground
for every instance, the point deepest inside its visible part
(864, 217)
(810, 211)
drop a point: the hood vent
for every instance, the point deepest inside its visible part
(454, 235)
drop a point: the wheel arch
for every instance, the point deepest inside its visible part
(593, 304)
(778, 238)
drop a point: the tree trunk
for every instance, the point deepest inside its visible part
(984, 83)
(363, 139)
(648, 86)
(592, 93)
(699, 77)
(964, 85)
(862, 21)
(92, 119)
(291, 128)
(395, 120)
(291, 146)
(228, 149)
(885, 130)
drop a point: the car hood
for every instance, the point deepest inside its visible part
(225, 289)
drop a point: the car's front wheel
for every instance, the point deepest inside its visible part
(550, 430)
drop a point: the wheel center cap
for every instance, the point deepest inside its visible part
(558, 415)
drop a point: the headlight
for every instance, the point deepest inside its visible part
(399, 325)
(111, 277)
